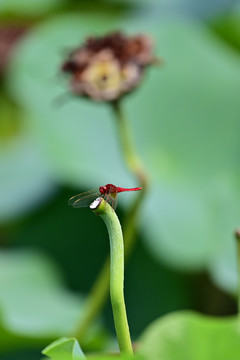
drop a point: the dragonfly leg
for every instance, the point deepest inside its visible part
(113, 202)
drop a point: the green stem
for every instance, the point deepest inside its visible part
(99, 292)
(135, 166)
(102, 208)
(133, 161)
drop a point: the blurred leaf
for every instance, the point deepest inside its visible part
(33, 302)
(64, 349)
(187, 336)
(189, 141)
(115, 356)
(29, 7)
(228, 28)
(192, 150)
(25, 177)
(69, 349)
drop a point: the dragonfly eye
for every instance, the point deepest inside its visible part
(101, 189)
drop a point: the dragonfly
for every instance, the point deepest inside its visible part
(107, 192)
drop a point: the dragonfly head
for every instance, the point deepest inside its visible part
(103, 189)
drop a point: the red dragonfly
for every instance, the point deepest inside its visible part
(107, 192)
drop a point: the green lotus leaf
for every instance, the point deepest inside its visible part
(35, 307)
(25, 175)
(187, 335)
(64, 349)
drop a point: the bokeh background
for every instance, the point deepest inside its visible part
(185, 120)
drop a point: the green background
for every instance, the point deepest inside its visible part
(185, 122)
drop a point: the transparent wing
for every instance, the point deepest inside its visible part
(84, 199)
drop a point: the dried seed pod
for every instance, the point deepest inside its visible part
(106, 68)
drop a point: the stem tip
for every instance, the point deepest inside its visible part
(95, 204)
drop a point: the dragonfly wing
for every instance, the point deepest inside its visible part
(84, 199)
